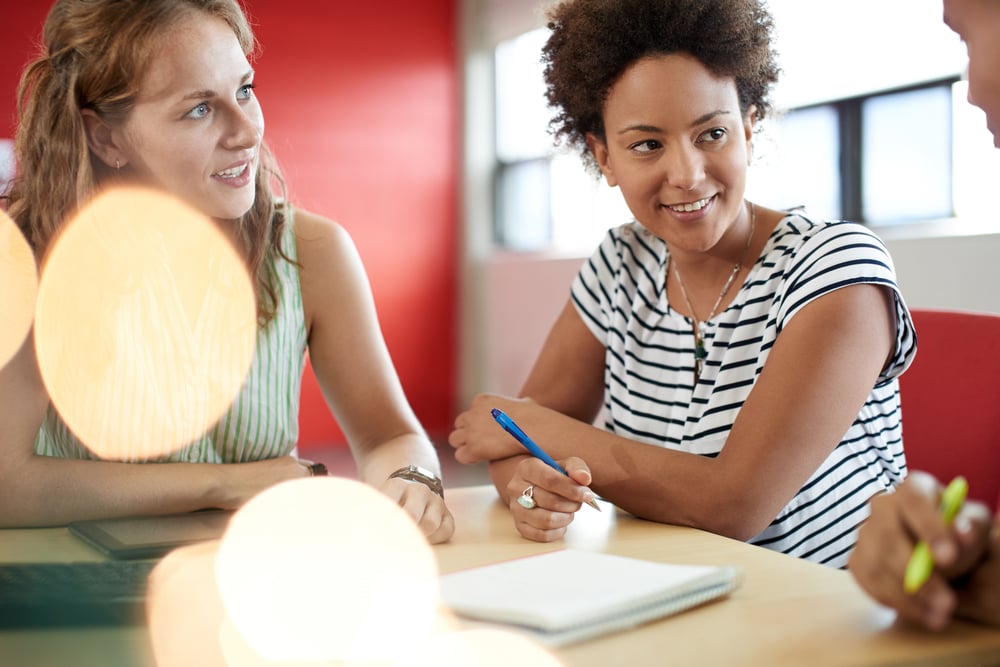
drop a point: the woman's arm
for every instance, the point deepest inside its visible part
(356, 375)
(818, 375)
(43, 490)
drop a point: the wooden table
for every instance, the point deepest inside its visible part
(787, 612)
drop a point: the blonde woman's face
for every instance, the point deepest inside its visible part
(196, 127)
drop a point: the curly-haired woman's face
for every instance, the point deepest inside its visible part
(677, 146)
(196, 127)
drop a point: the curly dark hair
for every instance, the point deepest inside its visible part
(594, 41)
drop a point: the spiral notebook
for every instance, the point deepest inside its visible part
(566, 596)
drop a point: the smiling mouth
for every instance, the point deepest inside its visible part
(691, 206)
(235, 172)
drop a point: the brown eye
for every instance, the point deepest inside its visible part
(645, 146)
(713, 136)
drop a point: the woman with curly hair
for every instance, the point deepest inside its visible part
(743, 359)
(160, 94)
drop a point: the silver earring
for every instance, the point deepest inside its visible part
(118, 165)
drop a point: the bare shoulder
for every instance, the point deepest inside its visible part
(316, 236)
(331, 274)
(326, 250)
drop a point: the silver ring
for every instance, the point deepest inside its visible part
(527, 498)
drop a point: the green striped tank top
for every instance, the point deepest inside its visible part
(262, 422)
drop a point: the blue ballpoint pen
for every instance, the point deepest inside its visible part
(508, 425)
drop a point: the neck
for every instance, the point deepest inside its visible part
(711, 275)
(707, 268)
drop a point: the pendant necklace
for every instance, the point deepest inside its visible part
(700, 353)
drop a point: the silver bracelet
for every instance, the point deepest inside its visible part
(412, 473)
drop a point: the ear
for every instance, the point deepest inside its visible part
(102, 141)
(749, 123)
(599, 150)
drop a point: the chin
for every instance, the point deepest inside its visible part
(234, 210)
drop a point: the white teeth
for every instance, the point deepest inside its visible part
(696, 206)
(231, 173)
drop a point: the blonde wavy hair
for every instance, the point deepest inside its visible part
(94, 54)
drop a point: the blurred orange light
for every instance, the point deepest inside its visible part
(145, 325)
(327, 568)
(18, 287)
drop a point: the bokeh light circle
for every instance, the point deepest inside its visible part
(183, 609)
(327, 568)
(145, 324)
(18, 288)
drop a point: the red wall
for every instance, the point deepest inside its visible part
(361, 110)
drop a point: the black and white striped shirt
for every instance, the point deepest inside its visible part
(649, 365)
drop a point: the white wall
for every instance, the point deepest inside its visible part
(523, 294)
(951, 272)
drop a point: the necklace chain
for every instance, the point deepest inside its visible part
(700, 353)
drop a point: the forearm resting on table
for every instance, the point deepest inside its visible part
(46, 491)
(655, 483)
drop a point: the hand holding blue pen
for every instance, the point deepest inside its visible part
(515, 431)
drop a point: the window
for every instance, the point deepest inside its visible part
(887, 145)
(6, 164)
(862, 158)
(906, 149)
(797, 162)
(543, 199)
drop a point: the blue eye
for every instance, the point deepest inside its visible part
(245, 92)
(199, 111)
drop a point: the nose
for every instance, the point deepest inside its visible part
(683, 167)
(246, 128)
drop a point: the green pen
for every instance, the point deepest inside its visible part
(918, 570)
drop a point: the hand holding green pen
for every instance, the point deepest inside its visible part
(918, 570)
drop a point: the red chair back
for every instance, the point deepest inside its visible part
(950, 398)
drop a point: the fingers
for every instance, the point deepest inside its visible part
(563, 493)
(541, 523)
(932, 606)
(444, 531)
(878, 563)
(883, 549)
(578, 471)
(917, 504)
(971, 533)
(555, 498)
(887, 539)
(978, 599)
(477, 437)
(428, 510)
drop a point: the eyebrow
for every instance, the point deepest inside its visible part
(704, 118)
(202, 94)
